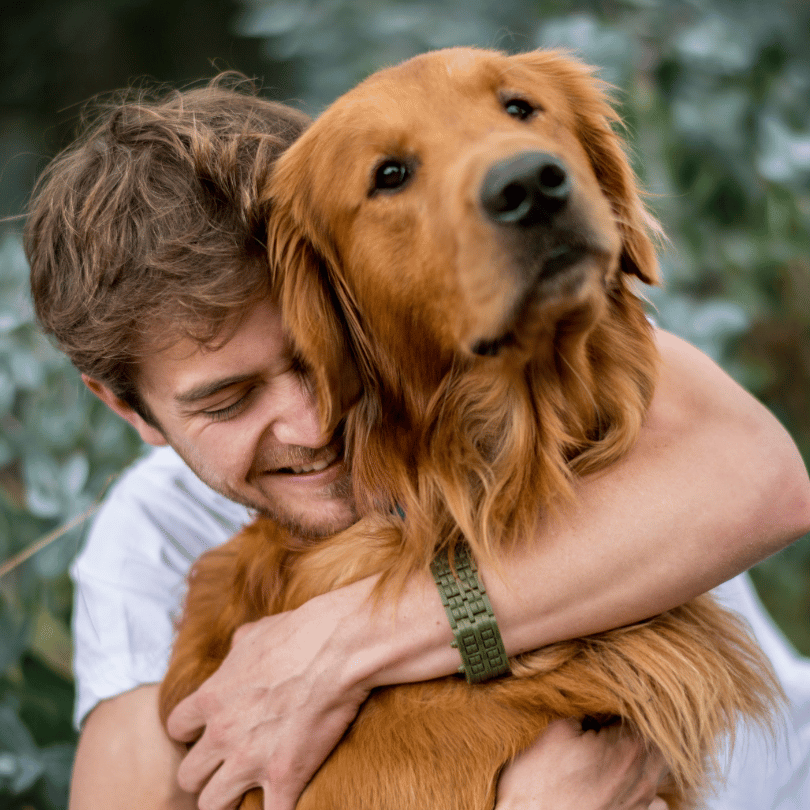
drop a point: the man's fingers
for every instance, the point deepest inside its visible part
(241, 631)
(226, 788)
(653, 772)
(567, 729)
(197, 768)
(186, 721)
(223, 791)
(267, 720)
(644, 766)
(275, 801)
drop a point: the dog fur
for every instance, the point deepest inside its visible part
(499, 357)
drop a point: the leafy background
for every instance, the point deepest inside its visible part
(717, 97)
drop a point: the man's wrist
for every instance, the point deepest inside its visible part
(391, 639)
(475, 629)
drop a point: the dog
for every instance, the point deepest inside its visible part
(466, 230)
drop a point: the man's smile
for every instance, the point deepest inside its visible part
(296, 462)
(331, 454)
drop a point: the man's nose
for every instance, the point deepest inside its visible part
(298, 421)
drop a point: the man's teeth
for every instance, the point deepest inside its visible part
(315, 466)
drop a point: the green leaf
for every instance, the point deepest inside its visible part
(57, 762)
(14, 633)
(42, 479)
(18, 772)
(14, 736)
(74, 472)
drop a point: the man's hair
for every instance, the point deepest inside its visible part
(151, 225)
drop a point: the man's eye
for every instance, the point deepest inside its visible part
(229, 411)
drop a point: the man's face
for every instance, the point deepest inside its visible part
(244, 419)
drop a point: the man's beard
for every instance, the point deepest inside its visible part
(302, 525)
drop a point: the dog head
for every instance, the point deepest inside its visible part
(462, 203)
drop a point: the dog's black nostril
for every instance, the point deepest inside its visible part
(553, 179)
(512, 198)
(525, 189)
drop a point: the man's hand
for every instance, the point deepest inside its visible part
(567, 769)
(270, 718)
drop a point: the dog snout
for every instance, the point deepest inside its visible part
(525, 189)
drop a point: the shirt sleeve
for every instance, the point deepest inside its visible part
(129, 579)
(764, 771)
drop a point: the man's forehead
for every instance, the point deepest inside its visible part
(187, 356)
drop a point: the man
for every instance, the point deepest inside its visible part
(146, 248)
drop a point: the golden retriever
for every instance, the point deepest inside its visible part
(466, 229)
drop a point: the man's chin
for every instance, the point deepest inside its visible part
(311, 526)
(324, 511)
(320, 518)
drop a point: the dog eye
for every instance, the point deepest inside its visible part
(519, 108)
(390, 175)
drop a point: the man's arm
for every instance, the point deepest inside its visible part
(125, 761)
(714, 485)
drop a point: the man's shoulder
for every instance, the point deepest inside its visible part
(159, 511)
(161, 481)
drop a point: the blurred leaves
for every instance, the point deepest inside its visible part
(716, 98)
(57, 450)
(27, 769)
(330, 46)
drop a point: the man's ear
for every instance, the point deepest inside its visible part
(149, 434)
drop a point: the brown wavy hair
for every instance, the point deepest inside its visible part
(150, 226)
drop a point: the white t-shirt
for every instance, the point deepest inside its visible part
(159, 517)
(130, 577)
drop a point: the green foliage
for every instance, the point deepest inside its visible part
(58, 449)
(716, 96)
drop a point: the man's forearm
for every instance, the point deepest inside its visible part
(713, 486)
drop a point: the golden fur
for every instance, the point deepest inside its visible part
(497, 361)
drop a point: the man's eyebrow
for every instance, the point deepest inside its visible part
(208, 389)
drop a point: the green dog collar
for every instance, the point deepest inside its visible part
(471, 617)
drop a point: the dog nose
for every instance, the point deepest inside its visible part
(525, 189)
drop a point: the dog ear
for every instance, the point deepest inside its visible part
(596, 120)
(311, 315)
(641, 232)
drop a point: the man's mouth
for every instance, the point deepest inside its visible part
(321, 459)
(313, 466)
